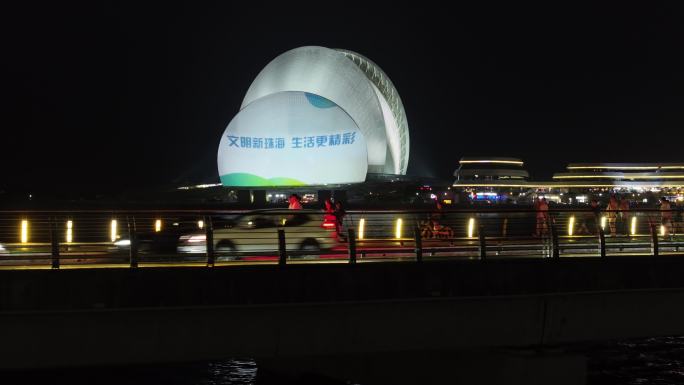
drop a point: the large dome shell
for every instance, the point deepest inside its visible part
(355, 84)
(397, 131)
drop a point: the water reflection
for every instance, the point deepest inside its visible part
(644, 362)
(232, 372)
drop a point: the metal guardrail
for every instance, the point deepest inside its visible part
(41, 239)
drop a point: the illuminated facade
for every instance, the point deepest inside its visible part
(492, 178)
(315, 116)
(625, 175)
(471, 169)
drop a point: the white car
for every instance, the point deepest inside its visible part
(257, 232)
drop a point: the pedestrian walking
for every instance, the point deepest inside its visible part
(665, 216)
(542, 214)
(611, 215)
(294, 202)
(624, 215)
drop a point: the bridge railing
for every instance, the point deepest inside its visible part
(148, 238)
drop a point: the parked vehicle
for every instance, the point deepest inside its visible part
(257, 232)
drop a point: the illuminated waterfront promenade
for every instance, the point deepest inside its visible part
(476, 291)
(146, 238)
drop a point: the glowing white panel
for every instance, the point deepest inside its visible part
(291, 139)
(330, 74)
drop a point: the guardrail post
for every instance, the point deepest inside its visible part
(483, 242)
(209, 240)
(555, 247)
(54, 240)
(654, 241)
(352, 246)
(132, 236)
(282, 249)
(418, 245)
(602, 242)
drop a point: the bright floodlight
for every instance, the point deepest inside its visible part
(112, 230)
(296, 108)
(24, 231)
(69, 231)
(398, 229)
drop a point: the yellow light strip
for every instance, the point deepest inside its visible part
(571, 225)
(634, 224)
(157, 225)
(612, 168)
(624, 167)
(662, 230)
(69, 231)
(112, 230)
(362, 226)
(398, 229)
(517, 162)
(624, 176)
(471, 227)
(24, 231)
(603, 222)
(570, 185)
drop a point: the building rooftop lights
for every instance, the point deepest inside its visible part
(620, 176)
(626, 166)
(491, 161)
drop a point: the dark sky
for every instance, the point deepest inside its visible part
(106, 96)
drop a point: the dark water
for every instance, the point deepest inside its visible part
(653, 361)
(640, 362)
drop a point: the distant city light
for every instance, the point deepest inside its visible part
(619, 176)
(206, 185)
(157, 225)
(200, 224)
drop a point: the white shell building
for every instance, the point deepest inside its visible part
(306, 99)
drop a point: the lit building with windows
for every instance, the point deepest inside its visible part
(315, 116)
(491, 179)
(624, 175)
(504, 179)
(638, 179)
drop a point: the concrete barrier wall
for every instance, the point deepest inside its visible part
(121, 316)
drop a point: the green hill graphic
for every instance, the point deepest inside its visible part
(242, 179)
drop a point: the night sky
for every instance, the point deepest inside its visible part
(107, 97)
